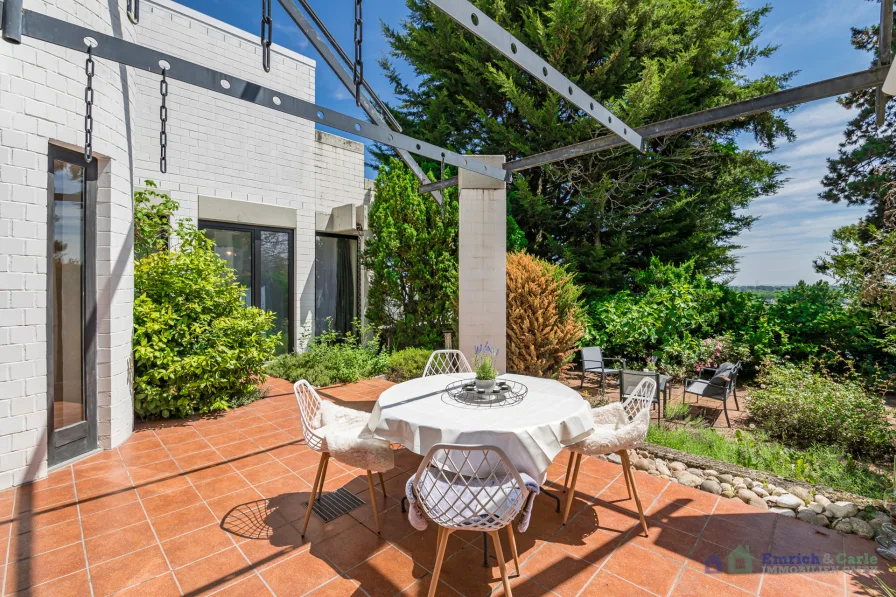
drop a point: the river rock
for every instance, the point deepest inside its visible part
(614, 458)
(759, 503)
(688, 480)
(677, 466)
(861, 528)
(816, 507)
(771, 499)
(789, 500)
(728, 493)
(760, 491)
(844, 526)
(737, 481)
(642, 464)
(710, 473)
(783, 511)
(821, 499)
(696, 472)
(711, 486)
(800, 492)
(823, 521)
(662, 469)
(809, 515)
(746, 495)
(840, 510)
(725, 478)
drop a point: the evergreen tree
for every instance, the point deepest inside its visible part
(412, 254)
(605, 214)
(864, 168)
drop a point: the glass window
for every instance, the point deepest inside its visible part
(335, 283)
(69, 203)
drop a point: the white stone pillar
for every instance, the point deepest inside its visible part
(482, 291)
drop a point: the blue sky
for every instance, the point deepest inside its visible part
(794, 226)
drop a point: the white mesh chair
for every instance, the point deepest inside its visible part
(333, 431)
(470, 488)
(618, 427)
(447, 361)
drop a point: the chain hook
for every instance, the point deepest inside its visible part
(134, 11)
(267, 33)
(358, 68)
(163, 117)
(89, 69)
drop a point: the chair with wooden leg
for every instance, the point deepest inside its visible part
(334, 431)
(470, 488)
(618, 427)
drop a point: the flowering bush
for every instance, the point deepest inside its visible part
(802, 407)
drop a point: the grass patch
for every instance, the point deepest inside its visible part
(819, 465)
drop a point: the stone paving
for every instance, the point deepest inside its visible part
(213, 504)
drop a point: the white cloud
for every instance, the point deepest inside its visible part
(795, 225)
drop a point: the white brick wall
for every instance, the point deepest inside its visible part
(217, 146)
(41, 101)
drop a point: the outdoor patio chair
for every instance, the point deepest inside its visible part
(470, 488)
(618, 427)
(333, 431)
(630, 380)
(720, 386)
(446, 361)
(593, 361)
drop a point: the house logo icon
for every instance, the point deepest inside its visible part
(740, 560)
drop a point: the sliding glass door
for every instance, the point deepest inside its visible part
(263, 260)
(336, 295)
(71, 305)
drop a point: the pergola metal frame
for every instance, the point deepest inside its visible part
(383, 128)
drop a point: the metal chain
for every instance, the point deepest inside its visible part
(89, 69)
(267, 33)
(358, 70)
(163, 116)
(134, 11)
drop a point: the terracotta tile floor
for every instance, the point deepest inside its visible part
(214, 505)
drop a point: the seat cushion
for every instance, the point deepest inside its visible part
(605, 371)
(346, 446)
(706, 389)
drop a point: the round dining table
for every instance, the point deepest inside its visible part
(531, 430)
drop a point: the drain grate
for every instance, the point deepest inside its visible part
(332, 505)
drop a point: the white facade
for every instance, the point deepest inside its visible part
(223, 155)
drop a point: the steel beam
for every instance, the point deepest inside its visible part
(479, 24)
(885, 55)
(11, 21)
(811, 92)
(57, 32)
(345, 77)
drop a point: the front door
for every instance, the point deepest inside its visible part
(263, 260)
(71, 305)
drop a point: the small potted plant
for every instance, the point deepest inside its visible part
(650, 364)
(483, 363)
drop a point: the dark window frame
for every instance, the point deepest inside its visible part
(357, 239)
(256, 260)
(79, 438)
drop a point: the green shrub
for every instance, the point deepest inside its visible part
(802, 407)
(197, 347)
(332, 358)
(820, 465)
(408, 363)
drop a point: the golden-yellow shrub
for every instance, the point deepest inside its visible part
(544, 319)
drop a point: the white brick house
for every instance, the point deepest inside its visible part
(259, 181)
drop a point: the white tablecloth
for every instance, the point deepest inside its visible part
(419, 414)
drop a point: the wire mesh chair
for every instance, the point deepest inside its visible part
(447, 361)
(314, 429)
(470, 488)
(618, 427)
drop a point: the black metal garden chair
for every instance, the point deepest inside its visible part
(593, 361)
(720, 386)
(629, 381)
